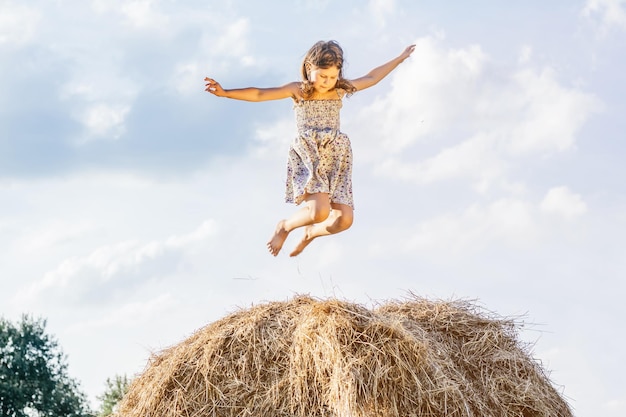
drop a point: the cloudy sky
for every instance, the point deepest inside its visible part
(135, 207)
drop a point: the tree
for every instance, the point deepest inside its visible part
(113, 394)
(33, 374)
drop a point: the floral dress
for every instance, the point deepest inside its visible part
(320, 157)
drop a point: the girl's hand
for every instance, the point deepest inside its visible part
(407, 52)
(213, 87)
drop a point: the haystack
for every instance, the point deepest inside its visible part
(315, 358)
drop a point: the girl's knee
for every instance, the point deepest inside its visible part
(345, 221)
(342, 221)
(319, 206)
(320, 213)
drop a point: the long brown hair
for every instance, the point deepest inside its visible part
(324, 54)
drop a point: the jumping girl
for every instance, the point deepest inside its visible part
(319, 167)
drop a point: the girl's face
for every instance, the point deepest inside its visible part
(323, 79)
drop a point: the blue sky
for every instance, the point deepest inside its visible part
(488, 166)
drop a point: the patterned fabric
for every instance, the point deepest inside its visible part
(320, 157)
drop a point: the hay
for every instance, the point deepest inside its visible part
(310, 357)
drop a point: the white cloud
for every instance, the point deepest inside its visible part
(562, 202)
(609, 14)
(550, 114)
(105, 121)
(221, 49)
(205, 231)
(315, 4)
(121, 263)
(481, 117)
(187, 78)
(42, 238)
(273, 139)
(100, 97)
(96, 81)
(18, 23)
(331, 253)
(128, 315)
(617, 405)
(505, 221)
(429, 90)
(232, 42)
(525, 54)
(141, 14)
(380, 10)
(474, 158)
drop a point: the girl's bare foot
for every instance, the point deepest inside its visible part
(306, 239)
(276, 242)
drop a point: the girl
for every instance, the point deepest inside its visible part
(319, 167)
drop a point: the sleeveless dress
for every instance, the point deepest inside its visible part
(320, 157)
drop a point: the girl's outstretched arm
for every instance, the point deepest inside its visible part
(378, 73)
(252, 93)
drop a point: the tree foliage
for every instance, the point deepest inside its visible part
(33, 374)
(115, 390)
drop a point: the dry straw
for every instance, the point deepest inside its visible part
(308, 357)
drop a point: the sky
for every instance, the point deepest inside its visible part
(135, 207)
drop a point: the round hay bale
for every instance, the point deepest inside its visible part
(310, 357)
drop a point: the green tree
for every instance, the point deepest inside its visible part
(115, 390)
(33, 374)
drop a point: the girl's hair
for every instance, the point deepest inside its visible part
(324, 55)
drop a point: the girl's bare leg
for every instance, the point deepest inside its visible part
(316, 209)
(340, 219)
